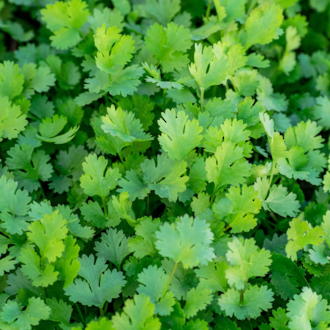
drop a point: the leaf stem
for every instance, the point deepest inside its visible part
(271, 178)
(80, 313)
(104, 206)
(241, 298)
(252, 4)
(202, 99)
(164, 98)
(208, 10)
(170, 279)
(120, 157)
(147, 206)
(101, 311)
(107, 304)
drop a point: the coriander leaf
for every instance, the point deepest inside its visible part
(212, 277)
(169, 45)
(68, 265)
(286, 276)
(11, 80)
(153, 284)
(138, 313)
(96, 181)
(246, 261)
(166, 178)
(134, 185)
(209, 68)
(12, 120)
(14, 315)
(32, 268)
(188, 240)
(14, 205)
(98, 285)
(162, 11)
(65, 20)
(29, 166)
(179, 135)
(255, 300)
(143, 243)
(227, 166)
(124, 125)
(6, 265)
(48, 235)
(262, 25)
(278, 200)
(197, 299)
(51, 127)
(299, 235)
(308, 310)
(113, 247)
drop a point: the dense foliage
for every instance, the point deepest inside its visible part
(164, 165)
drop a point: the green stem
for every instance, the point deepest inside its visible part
(104, 206)
(241, 298)
(106, 306)
(208, 10)
(147, 206)
(101, 311)
(252, 4)
(271, 179)
(164, 98)
(80, 313)
(202, 99)
(170, 279)
(121, 157)
(42, 192)
(133, 149)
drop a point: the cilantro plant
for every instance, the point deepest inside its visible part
(164, 165)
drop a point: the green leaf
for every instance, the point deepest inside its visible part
(113, 247)
(29, 166)
(96, 181)
(308, 310)
(299, 235)
(188, 241)
(179, 135)
(255, 300)
(13, 313)
(162, 11)
(98, 285)
(246, 261)
(278, 200)
(11, 80)
(166, 178)
(6, 265)
(262, 25)
(212, 65)
(14, 205)
(227, 166)
(51, 127)
(143, 243)
(65, 20)
(169, 45)
(197, 299)
(124, 125)
(12, 120)
(137, 313)
(153, 284)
